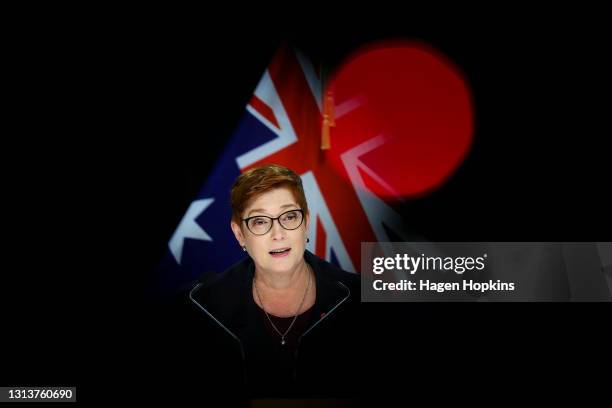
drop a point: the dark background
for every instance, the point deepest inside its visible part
(116, 122)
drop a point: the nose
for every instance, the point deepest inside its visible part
(277, 231)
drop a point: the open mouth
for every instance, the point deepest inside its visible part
(279, 253)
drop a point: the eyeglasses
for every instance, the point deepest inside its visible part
(261, 224)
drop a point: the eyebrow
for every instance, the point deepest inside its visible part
(264, 211)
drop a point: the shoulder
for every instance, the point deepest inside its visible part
(332, 272)
(236, 274)
(220, 293)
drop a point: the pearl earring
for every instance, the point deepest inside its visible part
(244, 247)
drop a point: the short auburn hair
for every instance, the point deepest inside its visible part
(259, 180)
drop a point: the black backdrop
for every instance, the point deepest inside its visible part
(117, 123)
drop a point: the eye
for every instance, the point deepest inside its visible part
(260, 221)
(289, 216)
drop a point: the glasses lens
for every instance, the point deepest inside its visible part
(259, 225)
(291, 220)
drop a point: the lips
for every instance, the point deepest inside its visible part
(280, 252)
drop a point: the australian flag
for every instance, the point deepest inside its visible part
(286, 122)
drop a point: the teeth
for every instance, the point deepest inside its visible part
(279, 251)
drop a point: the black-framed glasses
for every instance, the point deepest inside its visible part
(261, 224)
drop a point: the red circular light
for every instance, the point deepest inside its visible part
(403, 112)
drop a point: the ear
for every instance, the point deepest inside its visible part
(307, 223)
(237, 233)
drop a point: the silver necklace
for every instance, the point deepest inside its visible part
(283, 335)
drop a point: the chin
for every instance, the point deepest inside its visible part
(282, 265)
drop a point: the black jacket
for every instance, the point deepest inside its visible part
(231, 350)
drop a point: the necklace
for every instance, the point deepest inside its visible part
(283, 335)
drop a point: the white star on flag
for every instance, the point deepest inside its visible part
(189, 228)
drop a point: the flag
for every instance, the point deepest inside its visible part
(287, 122)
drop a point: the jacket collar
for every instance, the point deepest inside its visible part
(232, 301)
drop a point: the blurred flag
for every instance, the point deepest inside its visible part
(287, 122)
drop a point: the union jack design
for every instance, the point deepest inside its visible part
(282, 125)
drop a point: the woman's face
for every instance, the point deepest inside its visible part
(272, 204)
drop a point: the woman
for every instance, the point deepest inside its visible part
(283, 318)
